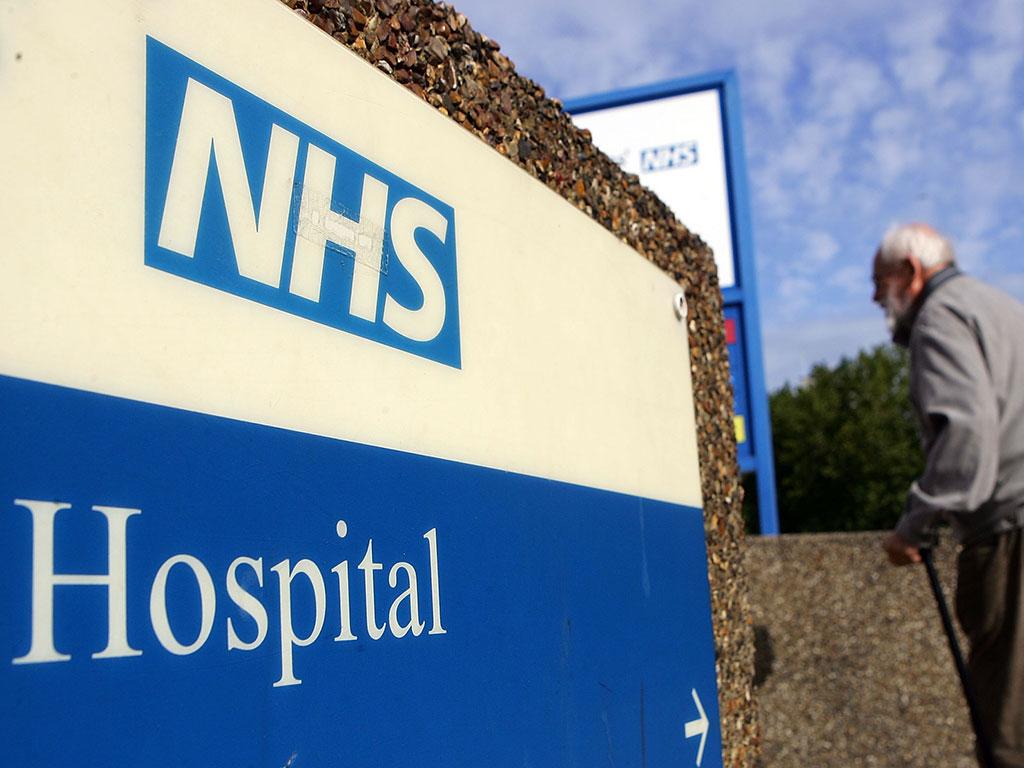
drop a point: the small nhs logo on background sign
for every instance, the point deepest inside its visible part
(683, 154)
(247, 199)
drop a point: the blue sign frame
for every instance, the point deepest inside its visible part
(746, 358)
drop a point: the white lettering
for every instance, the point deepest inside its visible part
(411, 596)
(44, 580)
(344, 595)
(403, 616)
(247, 602)
(368, 567)
(435, 587)
(208, 121)
(424, 323)
(285, 575)
(158, 605)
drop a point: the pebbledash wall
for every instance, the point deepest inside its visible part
(433, 51)
(852, 663)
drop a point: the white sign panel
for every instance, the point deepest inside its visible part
(503, 332)
(675, 146)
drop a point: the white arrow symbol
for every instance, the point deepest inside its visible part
(698, 727)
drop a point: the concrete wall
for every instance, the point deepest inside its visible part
(853, 668)
(434, 51)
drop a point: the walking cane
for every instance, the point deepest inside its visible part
(985, 753)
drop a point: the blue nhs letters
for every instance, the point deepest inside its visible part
(244, 198)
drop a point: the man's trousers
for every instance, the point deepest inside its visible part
(990, 608)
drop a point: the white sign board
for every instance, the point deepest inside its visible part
(329, 436)
(675, 146)
(83, 306)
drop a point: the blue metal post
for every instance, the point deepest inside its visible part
(743, 237)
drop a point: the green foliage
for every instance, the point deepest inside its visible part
(846, 445)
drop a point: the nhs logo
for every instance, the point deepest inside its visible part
(245, 198)
(680, 155)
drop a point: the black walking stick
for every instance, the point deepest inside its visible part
(985, 754)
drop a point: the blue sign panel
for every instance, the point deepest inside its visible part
(187, 590)
(245, 198)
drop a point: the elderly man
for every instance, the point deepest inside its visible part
(966, 343)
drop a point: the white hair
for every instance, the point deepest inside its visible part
(923, 242)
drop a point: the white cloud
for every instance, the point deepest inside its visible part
(993, 72)
(997, 58)
(892, 120)
(1001, 21)
(919, 59)
(844, 85)
(957, 92)
(971, 253)
(803, 149)
(794, 294)
(805, 164)
(736, 22)
(894, 157)
(822, 248)
(860, 200)
(986, 141)
(851, 280)
(772, 198)
(772, 65)
(921, 69)
(986, 182)
(894, 144)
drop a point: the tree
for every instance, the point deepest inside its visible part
(846, 445)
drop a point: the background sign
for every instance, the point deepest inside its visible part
(312, 453)
(684, 140)
(675, 144)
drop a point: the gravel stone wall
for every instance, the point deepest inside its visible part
(433, 51)
(853, 668)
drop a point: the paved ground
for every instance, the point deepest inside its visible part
(853, 667)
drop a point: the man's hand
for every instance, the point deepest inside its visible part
(900, 551)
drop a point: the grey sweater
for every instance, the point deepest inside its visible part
(967, 389)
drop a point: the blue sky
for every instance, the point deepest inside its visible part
(856, 115)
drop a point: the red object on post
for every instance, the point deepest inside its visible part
(730, 331)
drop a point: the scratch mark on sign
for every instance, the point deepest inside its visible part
(608, 734)
(355, 236)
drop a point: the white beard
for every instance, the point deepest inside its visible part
(895, 307)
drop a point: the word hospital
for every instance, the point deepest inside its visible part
(243, 584)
